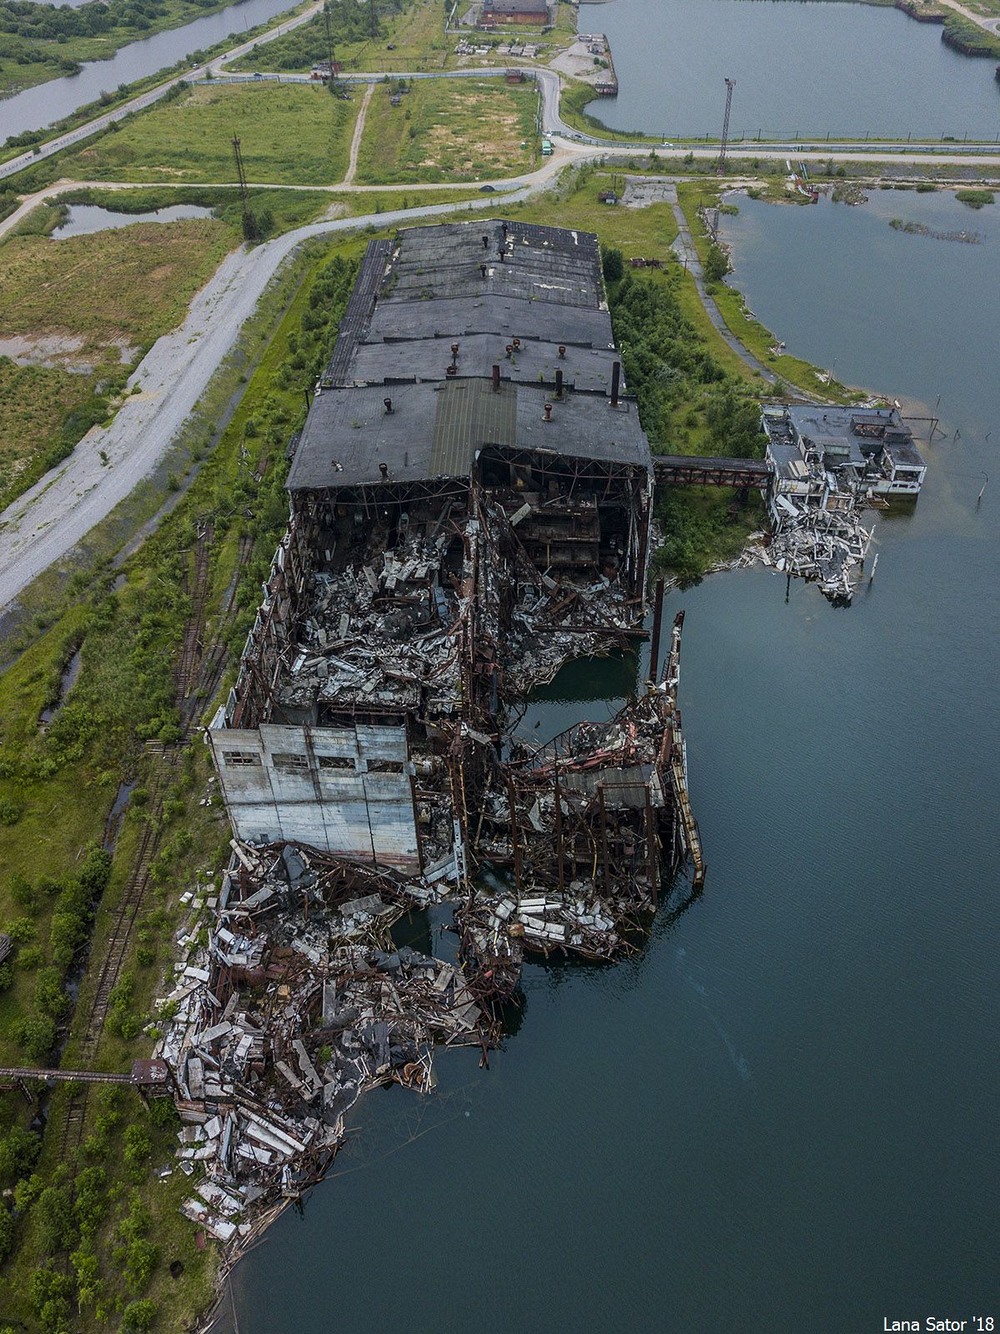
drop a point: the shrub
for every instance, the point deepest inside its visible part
(138, 1317)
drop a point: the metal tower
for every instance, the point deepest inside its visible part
(721, 168)
(249, 221)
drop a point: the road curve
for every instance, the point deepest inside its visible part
(47, 522)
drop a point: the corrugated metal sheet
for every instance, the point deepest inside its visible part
(471, 413)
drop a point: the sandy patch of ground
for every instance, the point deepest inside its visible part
(62, 351)
(577, 61)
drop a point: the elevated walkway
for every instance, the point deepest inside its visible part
(696, 470)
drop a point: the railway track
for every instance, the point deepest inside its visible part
(161, 763)
(199, 671)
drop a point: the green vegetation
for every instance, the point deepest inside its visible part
(114, 289)
(359, 35)
(83, 310)
(975, 198)
(289, 134)
(42, 41)
(39, 407)
(457, 129)
(969, 37)
(687, 404)
(95, 1242)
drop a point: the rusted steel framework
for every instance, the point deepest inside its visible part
(693, 470)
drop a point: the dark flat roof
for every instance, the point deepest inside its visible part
(535, 361)
(437, 430)
(441, 285)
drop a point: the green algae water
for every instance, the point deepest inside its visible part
(782, 1116)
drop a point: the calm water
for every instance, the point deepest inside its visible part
(803, 69)
(37, 107)
(782, 1118)
(85, 218)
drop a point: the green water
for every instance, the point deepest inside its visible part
(782, 1117)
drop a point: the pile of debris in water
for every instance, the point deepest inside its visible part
(291, 997)
(823, 546)
(298, 1003)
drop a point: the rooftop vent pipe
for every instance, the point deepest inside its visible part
(548, 412)
(486, 242)
(559, 383)
(562, 350)
(388, 404)
(384, 470)
(496, 379)
(616, 379)
(482, 270)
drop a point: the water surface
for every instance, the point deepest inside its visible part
(800, 69)
(48, 102)
(782, 1117)
(86, 218)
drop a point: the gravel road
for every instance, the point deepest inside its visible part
(44, 524)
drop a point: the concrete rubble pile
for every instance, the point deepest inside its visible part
(383, 632)
(297, 1004)
(827, 546)
(554, 622)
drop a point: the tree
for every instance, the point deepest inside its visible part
(612, 264)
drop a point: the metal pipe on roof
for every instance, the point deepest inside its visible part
(548, 412)
(388, 404)
(496, 379)
(616, 379)
(559, 383)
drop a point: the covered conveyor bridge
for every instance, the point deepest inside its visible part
(696, 470)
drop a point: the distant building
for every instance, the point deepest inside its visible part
(533, 12)
(830, 457)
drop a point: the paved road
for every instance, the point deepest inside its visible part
(102, 122)
(44, 524)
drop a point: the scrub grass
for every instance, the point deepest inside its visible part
(109, 289)
(294, 134)
(455, 129)
(34, 402)
(100, 1233)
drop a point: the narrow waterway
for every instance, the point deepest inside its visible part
(37, 107)
(800, 69)
(781, 1118)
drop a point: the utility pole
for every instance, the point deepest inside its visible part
(249, 221)
(721, 168)
(329, 38)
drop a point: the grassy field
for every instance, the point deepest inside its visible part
(34, 401)
(293, 134)
(83, 310)
(411, 39)
(116, 289)
(452, 129)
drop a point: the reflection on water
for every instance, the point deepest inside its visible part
(85, 218)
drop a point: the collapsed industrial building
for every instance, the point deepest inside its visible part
(828, 464)
(470, 509)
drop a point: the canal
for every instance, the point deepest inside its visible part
(37, 107)
(781, 1118)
